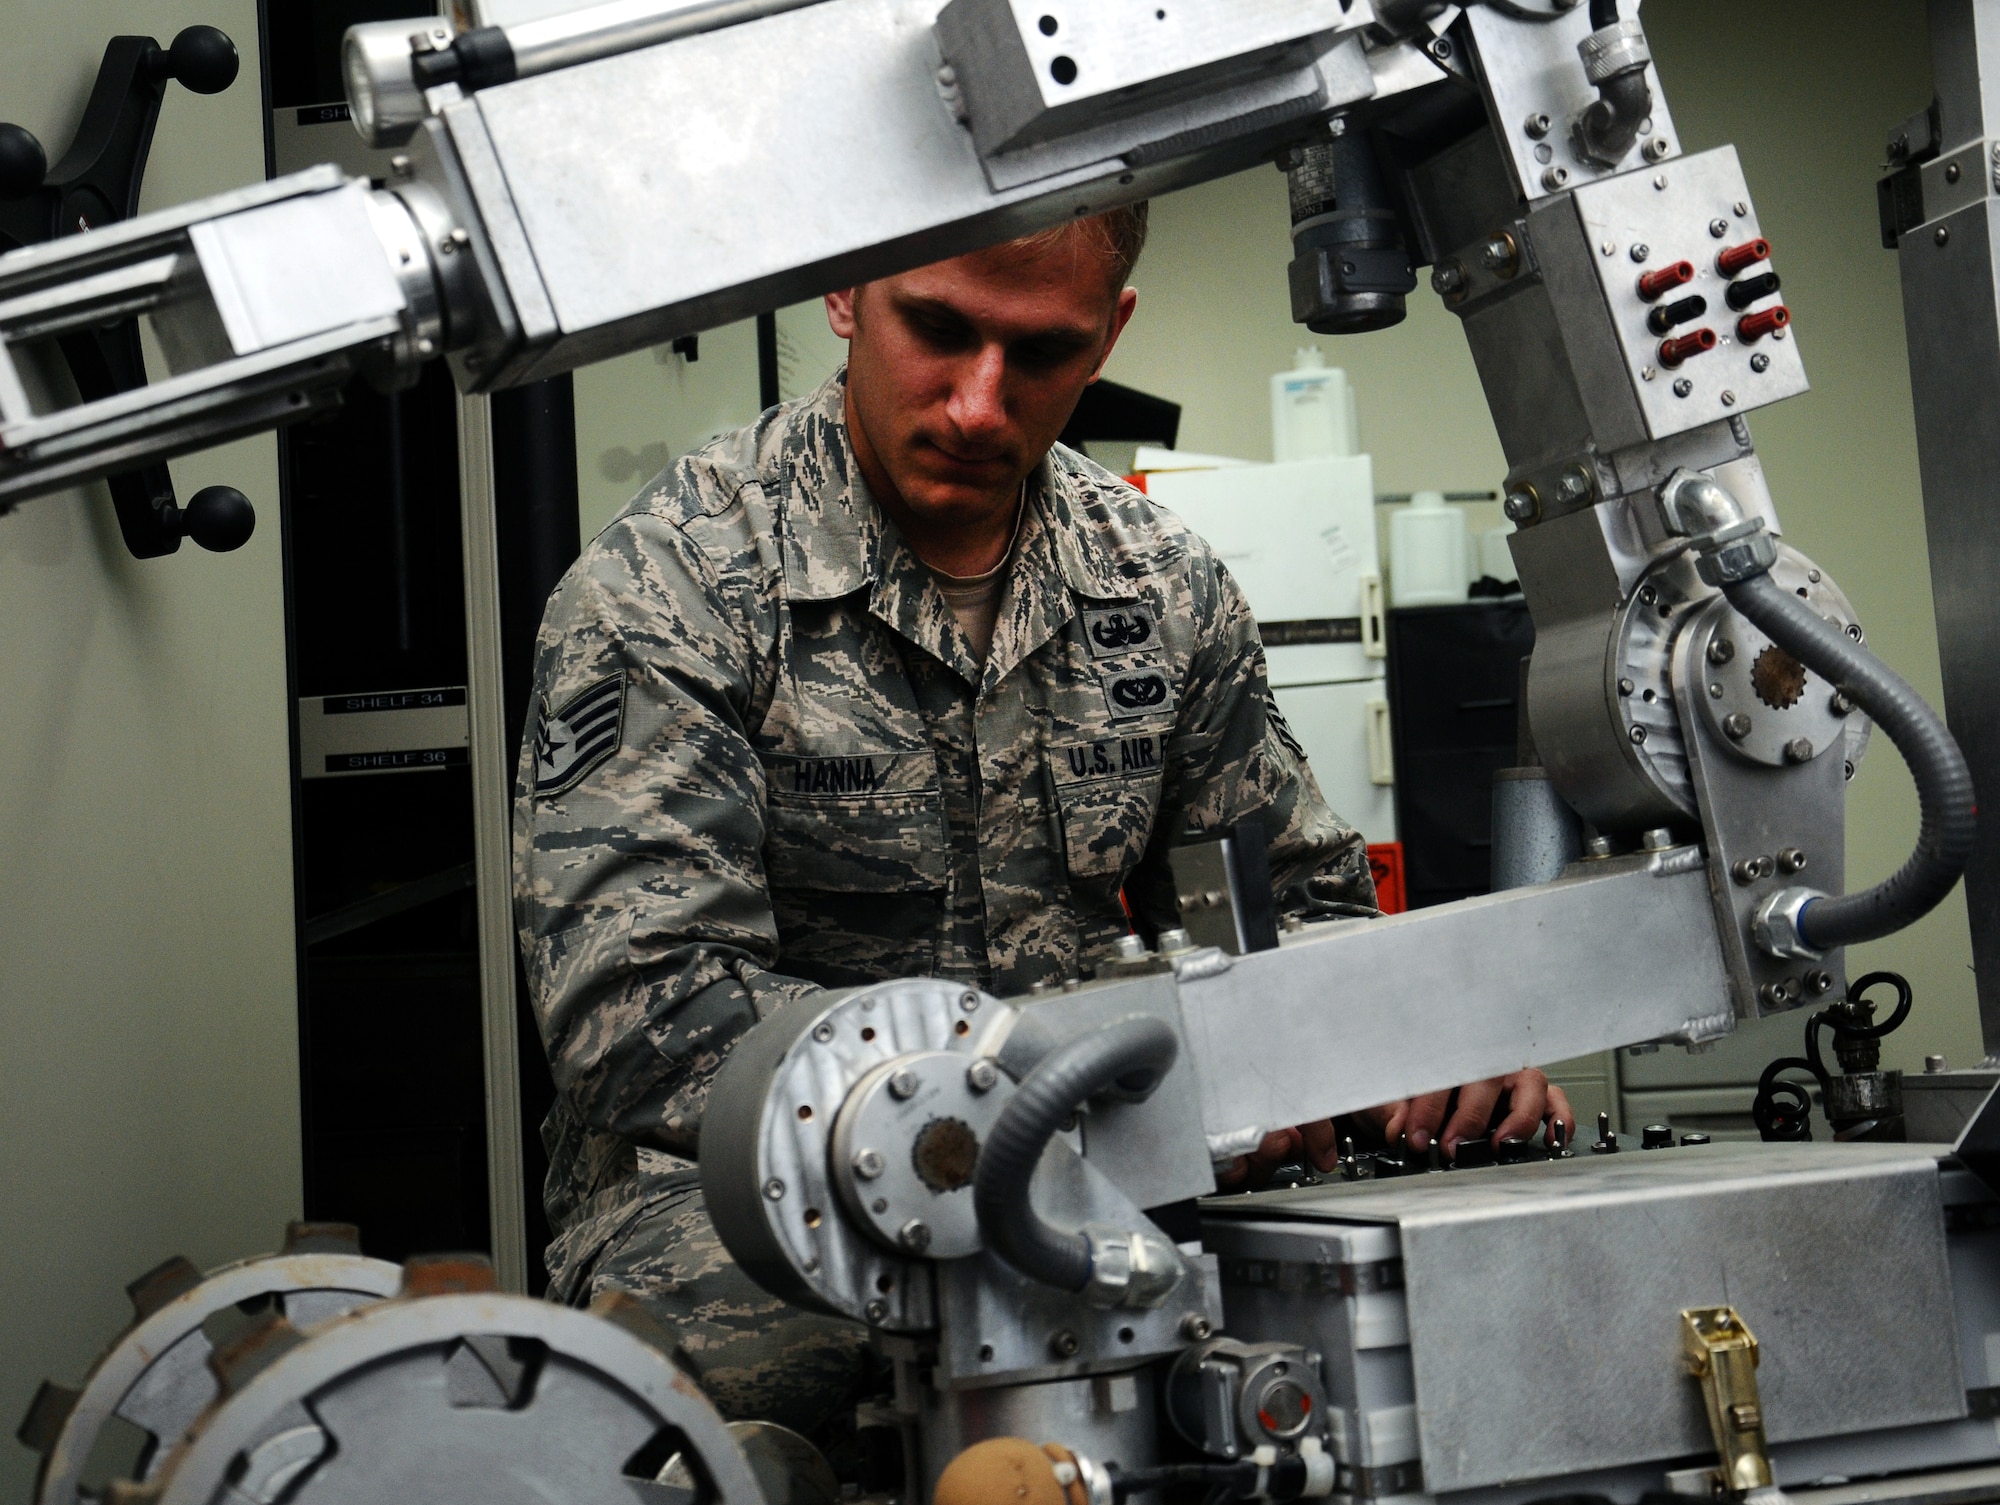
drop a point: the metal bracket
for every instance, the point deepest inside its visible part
(1721, 1354)
(95, 184)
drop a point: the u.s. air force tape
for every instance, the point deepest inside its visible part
(570, 742)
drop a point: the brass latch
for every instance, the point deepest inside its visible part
(1721, 1353)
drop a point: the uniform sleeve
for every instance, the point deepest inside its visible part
(1233, 758)
(645, 924)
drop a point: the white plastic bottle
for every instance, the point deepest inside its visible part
(1313, 413)
(1429, 552)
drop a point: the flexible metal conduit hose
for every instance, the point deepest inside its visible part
(1944, 784)
(1131, 1054)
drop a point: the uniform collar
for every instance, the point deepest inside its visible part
(837, 542)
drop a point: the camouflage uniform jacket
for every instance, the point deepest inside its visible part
(762, 758)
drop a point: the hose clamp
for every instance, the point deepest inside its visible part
(1130, 1267)
(1776, 924)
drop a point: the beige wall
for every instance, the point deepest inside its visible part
(148, 1056)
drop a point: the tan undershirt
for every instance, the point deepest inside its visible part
(975, 599)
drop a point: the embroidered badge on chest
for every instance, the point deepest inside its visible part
(570, 742)
(1138, 692)
(1121, 630)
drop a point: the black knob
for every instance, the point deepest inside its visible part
(203, 59)
(1740, 295)
(1512, 1151)
(23, 163)
(1472, 1155)
(219, 518)
(1656, 1137)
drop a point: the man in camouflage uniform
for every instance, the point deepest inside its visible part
(884, 685)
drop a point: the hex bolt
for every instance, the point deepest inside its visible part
(1448, 279)
(1721, 651)
(877, 1310)
(1799, 750)
(1195, 1327)
(1791, 860)
(1840, 705)
(1174, 941)
(981, 1075)
(1130, 948)
(868, 1164)
(1498, 256)
(1933, 1065)
(1736, 725)
(1063, 1343)
(1657, 840)
(1575, 485)
(903, 1085)
(914, 1235)
(1598, 846)
(1520, 506)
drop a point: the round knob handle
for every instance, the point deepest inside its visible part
(203, 59)
(23, 163)
(219, 518)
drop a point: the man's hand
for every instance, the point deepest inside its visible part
(1531, 1102)
(1530, 1098)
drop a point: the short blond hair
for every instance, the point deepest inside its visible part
(1117, 238)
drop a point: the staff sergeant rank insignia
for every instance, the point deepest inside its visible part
(1121, 630)
(572, 741)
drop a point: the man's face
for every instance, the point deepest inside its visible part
(962, 374)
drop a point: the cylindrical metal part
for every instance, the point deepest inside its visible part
(1535, 833)
(582, 36)
(1352, 273)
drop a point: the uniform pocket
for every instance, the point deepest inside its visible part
(857, 884)
(1108, 791)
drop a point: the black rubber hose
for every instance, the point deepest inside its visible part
(1132, 1054)
(1603, 13)
(1944, 784)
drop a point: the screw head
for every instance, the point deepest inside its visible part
(1537, 125)
(1942, 235)
(1448, 279)
(402, 166)
(1520, 506)
(914, 1235)
(1729, 399)
(823, 1033)
(981, 1075)
(868, 1164)
(774, 1189)
(1195, 1327)
(903, 1085)
(969, 1001)
(1791, 860)
(1715, 692)
(1575, 484)
(1718, 228)
(1656, 150)
(1683, 388)
(1819, 982)
(1721, 651)
(1496, 254)
(1626, 687)
(1840, 705)
(1638, 735)
(1657, 840)
(1660, 182)
(1609, 248)
(1736, 726)
(1854, 631)
(1799, 750)
(1555, 177)
(1063, 1343)
(1933, 1065)
(1760, 363)
(1953, 172)
(877, 1309)
(1598, 846)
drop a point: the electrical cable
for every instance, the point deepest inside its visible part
(1603, 13)
(1128, 1055)
(1944, 784)
(1782, 1111)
